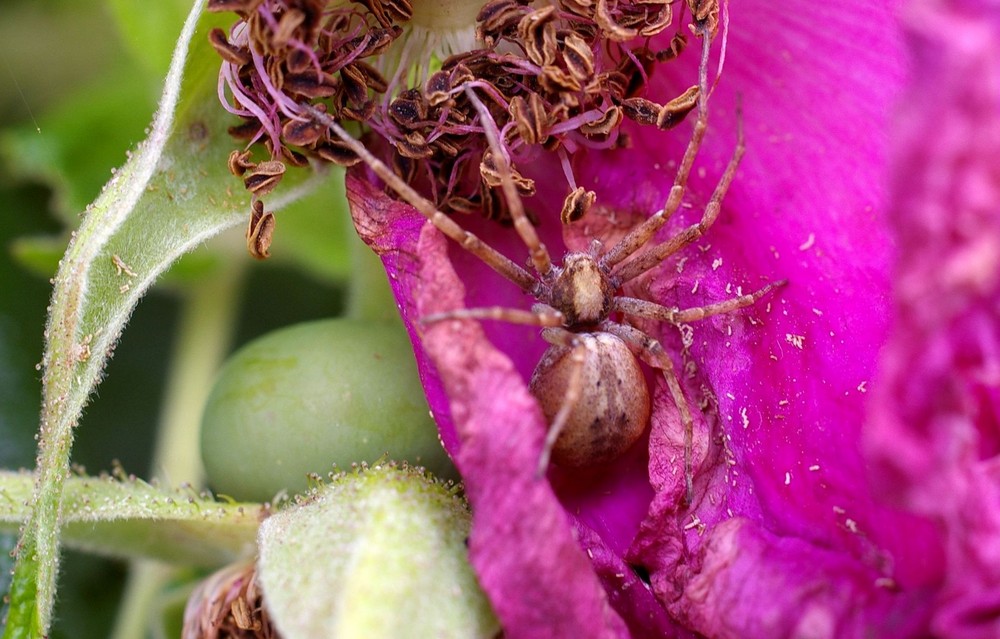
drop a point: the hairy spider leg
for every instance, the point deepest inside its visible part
(540, 257)
(641, 234)
(574, 390)
(657, 254)
(651, 351)
(540, 315)
(470, 242)
(652, 310)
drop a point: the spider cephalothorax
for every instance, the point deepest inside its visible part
(582, 291)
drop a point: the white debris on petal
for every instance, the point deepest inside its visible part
(863, 387)
(795, 340)
(808, 244)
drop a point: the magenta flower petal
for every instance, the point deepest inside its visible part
(788, 535)
(935, 432)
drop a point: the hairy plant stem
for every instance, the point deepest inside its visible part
(205, 332)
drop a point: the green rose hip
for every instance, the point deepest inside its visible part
(303, 398)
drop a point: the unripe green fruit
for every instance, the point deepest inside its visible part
(303, 398)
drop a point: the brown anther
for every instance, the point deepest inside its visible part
(657, 16)
(409, 109)
(609, 122)
(413, 145)
(498, 19)
(355, 84)
(302, 133)
(404, 167)
(462, 205)
(243, 7)
(448, 147)
(677, 45)
(373, 78)
(375, 42)
(672, 113)
(297, 61)
(576, 205)
(538, 35)
(492, 178)
(288, 23)
(308, 85)
(641, 110)
(583, 8)
(262, 179)
(579, 57)
(390, 11)
(259, 231)
(556, 80)
(436, 89)
(358, 113)
(240, 162)
(246, 131)
(229, 52)
(612, 28)
(615, 82)
(637, 68)
(460, 75)
(530, 118)
(704, 16)
(288, 156)
(337, 152)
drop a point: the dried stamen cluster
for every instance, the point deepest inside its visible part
(559, 78)
(229, 603)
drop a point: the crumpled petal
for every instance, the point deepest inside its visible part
(522, 544)
(935, 419)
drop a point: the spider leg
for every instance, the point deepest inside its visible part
(543, 318)
(540, 257)
(640, 235)
(652, 310)
(651, 351)
(490, 256)
(574, 390)
(657, 254)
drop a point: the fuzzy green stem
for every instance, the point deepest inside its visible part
(205, 333)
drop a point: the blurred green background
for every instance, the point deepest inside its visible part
(78, 85)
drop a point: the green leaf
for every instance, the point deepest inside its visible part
(378, 553)
(148, 27)
(126, 517)
(79, 140)
(173, 194)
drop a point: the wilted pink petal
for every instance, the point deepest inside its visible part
(522, 544)
(935, 431)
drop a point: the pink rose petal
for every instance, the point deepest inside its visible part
(935, 432)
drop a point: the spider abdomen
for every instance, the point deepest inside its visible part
(613, 407)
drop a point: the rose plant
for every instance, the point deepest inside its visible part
(845, 434)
